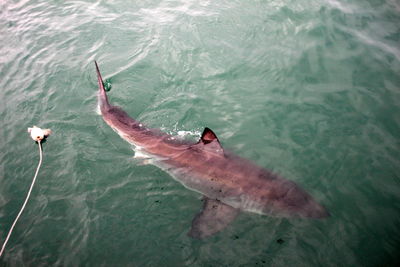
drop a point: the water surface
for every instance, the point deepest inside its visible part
(308, 89)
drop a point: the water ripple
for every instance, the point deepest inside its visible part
(309, 89)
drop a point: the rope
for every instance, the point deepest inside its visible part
(26, 200)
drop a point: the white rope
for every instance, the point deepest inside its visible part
(26, 200)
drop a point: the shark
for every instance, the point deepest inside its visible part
(228, 183)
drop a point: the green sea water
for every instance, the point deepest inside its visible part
(308, 89)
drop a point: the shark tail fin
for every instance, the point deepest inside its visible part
(103, 100)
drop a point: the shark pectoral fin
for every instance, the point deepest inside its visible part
(214, 217)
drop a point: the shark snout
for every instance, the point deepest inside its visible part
(315, 210)
(302, 204)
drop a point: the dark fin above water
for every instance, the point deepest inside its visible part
(210, 141)
(102, 92)
(214, 217)
(208, 136)
(99, 78)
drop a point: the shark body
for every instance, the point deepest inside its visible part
(229, 183)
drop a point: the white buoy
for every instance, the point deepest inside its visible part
(38, 134)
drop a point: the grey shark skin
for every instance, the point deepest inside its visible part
(228, 183)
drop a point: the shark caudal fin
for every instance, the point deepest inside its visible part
(103, 100)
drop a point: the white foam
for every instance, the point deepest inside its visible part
(190, 133)
(139, 154)
(98, 111)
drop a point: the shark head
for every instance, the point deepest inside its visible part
(292, 201)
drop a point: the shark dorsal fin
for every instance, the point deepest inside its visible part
(210, 141)
(208, 136)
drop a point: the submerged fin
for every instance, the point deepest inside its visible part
(214, 217)
(210, 141)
